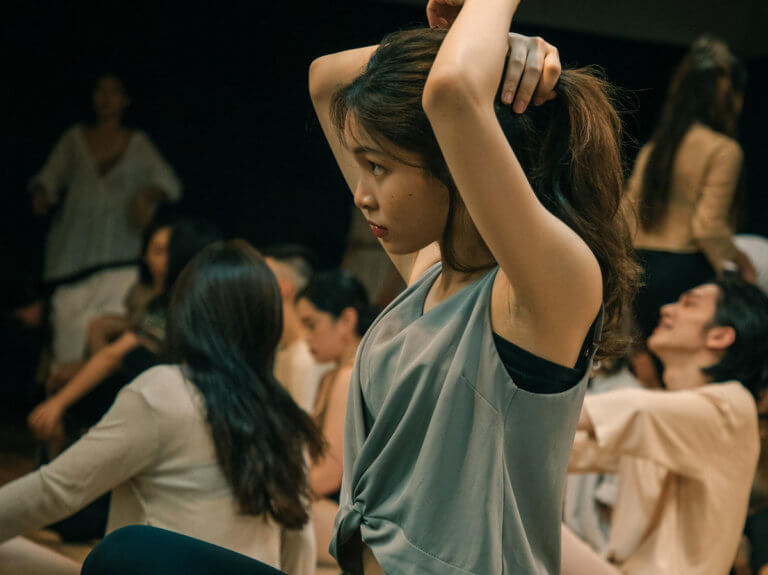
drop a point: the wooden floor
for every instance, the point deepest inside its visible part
(17, 457)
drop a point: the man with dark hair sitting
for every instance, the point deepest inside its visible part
(686, 455)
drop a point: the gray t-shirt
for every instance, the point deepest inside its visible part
(449, 467)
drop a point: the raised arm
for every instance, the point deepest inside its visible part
(556, 280)
(326, 75)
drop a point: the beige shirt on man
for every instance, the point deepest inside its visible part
(704, 181)
(685, 461)
(155, 451)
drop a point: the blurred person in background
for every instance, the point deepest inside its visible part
(685, 455)
(101, 184)
(211, 445)
(685, 186)
(336, 312)
(295, 367)
(143, 342)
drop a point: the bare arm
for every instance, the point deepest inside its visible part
(117, 448)
(325, 474)
(102, 330)
(46, 417)
(555, 279)
(326, 75)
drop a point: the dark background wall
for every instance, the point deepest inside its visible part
(221, 88)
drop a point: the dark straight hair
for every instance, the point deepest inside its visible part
(224, 326)
(569, 148)
(157, 224)
(744, 307)
(337, 290)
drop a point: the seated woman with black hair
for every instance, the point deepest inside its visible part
(336, 313)
(135, 350)
(211, 446)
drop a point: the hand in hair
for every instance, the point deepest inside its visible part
(531, 72)
(442, 13)
(533, 65)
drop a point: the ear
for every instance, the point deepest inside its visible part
(720, 338)
(348, 319)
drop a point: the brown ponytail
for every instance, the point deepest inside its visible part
(569, 148)
(577, 174)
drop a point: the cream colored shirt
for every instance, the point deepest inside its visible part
(297, 370)
(154, 450)
(705, 178)
(685, 461)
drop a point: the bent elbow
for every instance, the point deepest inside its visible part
(316, 78)
(450, 90)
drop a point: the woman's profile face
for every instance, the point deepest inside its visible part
(156, 256)
(326, 336)
(406, 208)
(109, 98)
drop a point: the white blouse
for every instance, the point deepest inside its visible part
(91, 227)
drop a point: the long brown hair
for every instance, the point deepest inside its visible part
(569, 148)
(694, 95)
(224, 326)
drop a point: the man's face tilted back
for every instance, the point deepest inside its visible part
(687, 331)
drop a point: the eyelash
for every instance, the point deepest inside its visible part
(372, 167)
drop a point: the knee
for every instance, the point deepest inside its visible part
(120, 552)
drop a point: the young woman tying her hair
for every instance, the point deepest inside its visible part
(504, 220)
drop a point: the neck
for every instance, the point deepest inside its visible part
(292, 328)
(109, 124)
(684, 371)
(473, 254)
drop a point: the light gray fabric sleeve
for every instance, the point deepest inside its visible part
(55, 174)
(123, 443)
(162, 175)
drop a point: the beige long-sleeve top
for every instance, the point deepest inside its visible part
(154, 450)
(685, 461)
(705, 178)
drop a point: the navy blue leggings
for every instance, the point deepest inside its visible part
(142, 550)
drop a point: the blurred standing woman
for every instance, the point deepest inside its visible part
(104, 181)
(685, 181)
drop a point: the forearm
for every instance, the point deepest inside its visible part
(25, 505)
(104, 329)
(328, 73)
(476, 46)
(97, 369)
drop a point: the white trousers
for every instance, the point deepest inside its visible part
(73, 306)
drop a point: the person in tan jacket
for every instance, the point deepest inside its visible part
(685, 456)
(684, 187)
